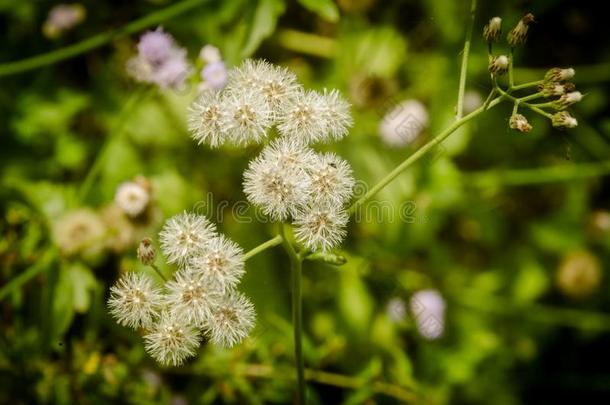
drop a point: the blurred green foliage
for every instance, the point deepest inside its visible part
(493, 240)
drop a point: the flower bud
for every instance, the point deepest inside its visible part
(498, 65)
(519, 123)
(559, 75)
(549, 89)
(146, 252)
(563, 119)
(491, 31)
(567, 100)
(518, 35)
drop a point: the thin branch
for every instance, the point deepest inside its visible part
(465, 54)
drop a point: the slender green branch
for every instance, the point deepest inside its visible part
(263, 246)
(490, 97)
(49, 255)
(527, 105)
(11, 68)
(419, 154)
(156, 269)
(296, 263)
(525, 85)
(465, 54)
(533, 96)
(114, 133)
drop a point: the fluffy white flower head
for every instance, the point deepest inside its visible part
(132, 198)
(331, 180)
(247, 118)
(280, 192)
(206, 118)
(404, 123)
(221, 263)
(337, 115)
(191, 296)
(171, 341)
(321, 226)
(428, 307)
(135, 301)
(290, 154)
(184, 236)
(232, 321)
(303, 117)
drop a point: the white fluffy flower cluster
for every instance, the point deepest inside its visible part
(200, 299)
(258, 96)
(288, 180)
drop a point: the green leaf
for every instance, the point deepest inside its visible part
(326, 9)
(83, 283)
(62, 311)
(263, 24)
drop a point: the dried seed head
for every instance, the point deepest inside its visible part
(191, 296)
(206, 119)
(331, 180)
(132, 198)
(248, 117)
(184, 236)
(135, 301)
(222, 263)
(171, 341)
(232, 320)
(321, 227)
(498, 65)
(492, 30)
(519, 123)
(518, 35)
(563, 119)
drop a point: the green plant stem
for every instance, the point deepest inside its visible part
(419, 154)
(525, 85)
(527, 105)
(465, 54)
(50, 254)
(296, 263)
(263, 246)
(530, 97)
(156, 269)
(133, 100)
(49, 58)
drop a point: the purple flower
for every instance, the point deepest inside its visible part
(156, 46)
(173, 71)
(215, 75)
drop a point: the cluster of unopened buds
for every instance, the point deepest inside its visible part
(555, 86)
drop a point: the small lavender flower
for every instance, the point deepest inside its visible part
(222, 263)
(215, 75)
(321, 226)
(62, 18)
(171, 341)
(132, 198)
(232, 320)
(206, 117)
(184, 236)
(331, 180)
(173, 71)
(191, 296)
(135, 301)
(156, 46)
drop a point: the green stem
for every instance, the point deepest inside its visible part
(465, 54)
(115, 131)
(263, 246)
(526, 85)
(531, 97)
(419, 154)
(527, 105)
(296, 263)
(156, 269)
(50, 254)
(49, 58)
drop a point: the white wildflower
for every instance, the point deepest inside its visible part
(132, 198)
(428, 307)
(191, 296)
(337, 115)
(206, 117)
(184, 236)
(232, 321)
(321, 226)
(404, 123)
(290, 154)
(331, 180)
(279, 191)
(247, 118)
(135, 301)
(222, 263)
(80, 231)
(171, 340)
(304, 118)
